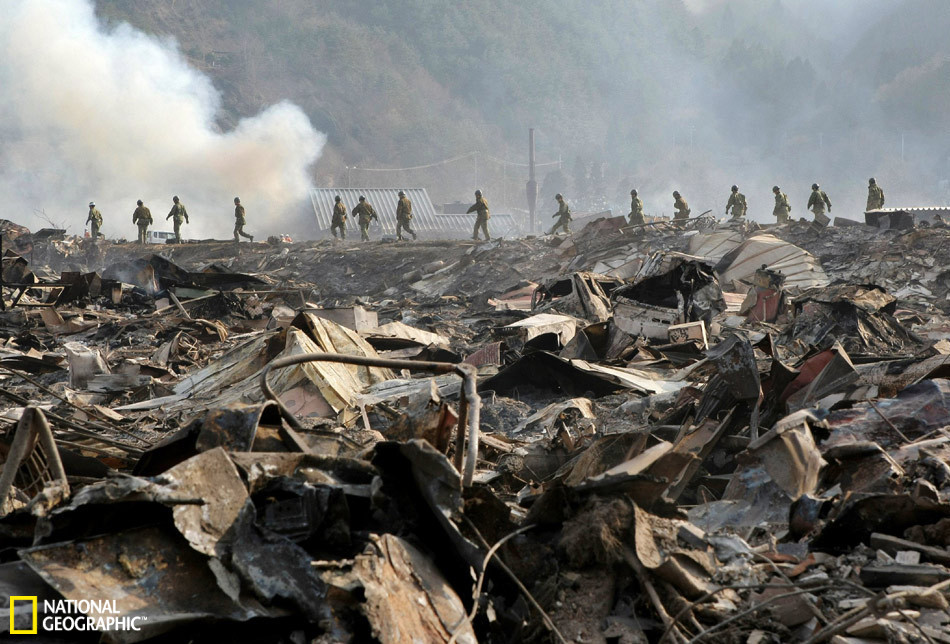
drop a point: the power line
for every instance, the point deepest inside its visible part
(460, 157)
(419, 167)
(522, 165)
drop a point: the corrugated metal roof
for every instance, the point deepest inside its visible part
(943, 209)
(425, 219)
(799, 267)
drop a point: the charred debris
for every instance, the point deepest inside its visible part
(704, 433)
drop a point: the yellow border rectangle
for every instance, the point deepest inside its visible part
(32, 598)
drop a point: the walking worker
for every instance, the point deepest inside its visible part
(403, 216)
(179, 214)
(94, 220)
(738, 204)
(365, 213)
(481, 219)
(563, 214)
(782, 207)
(142, 217)
(339, 217)
(817, 201)
(680, 206)
(240, 220)
(635, 218)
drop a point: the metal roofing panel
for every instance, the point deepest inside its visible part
(800, 267)
(425, 219)
(943, 209)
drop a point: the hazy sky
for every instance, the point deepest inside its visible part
(113, 116)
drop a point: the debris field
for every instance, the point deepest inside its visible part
(702, 432)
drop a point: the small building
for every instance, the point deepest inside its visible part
(906, 218)
(426, 221)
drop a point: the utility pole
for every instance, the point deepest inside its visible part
(531, 189)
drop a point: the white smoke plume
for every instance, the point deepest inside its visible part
(112, 115)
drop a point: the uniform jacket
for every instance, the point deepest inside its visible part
(818, 200)
(404, 209)
(563, 211)
(365, 213)
(481, 206)
(178, 212)
(339, 213)
(142, 215)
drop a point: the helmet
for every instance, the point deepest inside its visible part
(775, 188)
(175, 198)
(402, 194)
(336, 198)
(139, 202)
(237, 200)
(633, 193)
(676, 193)
(362, 198)
(92, 204)
(735, 188)
(478, 193)
(558, 196)
(871, 181)
(814, 186)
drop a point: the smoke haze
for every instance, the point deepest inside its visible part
(661, 95)
(113, 115)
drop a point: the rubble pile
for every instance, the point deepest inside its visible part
(707, 432)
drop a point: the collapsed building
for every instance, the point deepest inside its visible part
(697, 433)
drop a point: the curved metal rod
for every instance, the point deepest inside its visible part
(470, 401)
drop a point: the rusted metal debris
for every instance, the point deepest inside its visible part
(654, 434)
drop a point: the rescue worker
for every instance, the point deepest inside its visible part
(782, 208)
(563, 214)
(636, 209)
(680, 206)
(481, 218)
(403, 216)
(94, 220)
(240, 220)
(737, 203)
(818, 200)
(177, 214)
(365, 213)
(875, 195)
(142, 217)
(339, 217)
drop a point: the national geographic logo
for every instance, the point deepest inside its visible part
(22, 598)
(71, 615)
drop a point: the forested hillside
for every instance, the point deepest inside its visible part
(655, 93)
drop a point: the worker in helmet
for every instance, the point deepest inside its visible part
(365, 213)
(481, 218)
(636, 209)
(680, 206)
(737, 202)
(782, 207)
(142, 217)
(339, 217)
(180, 215)
(94, 220)
(403, 216)
(563, 215)
(818, 200)
(240, 220)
